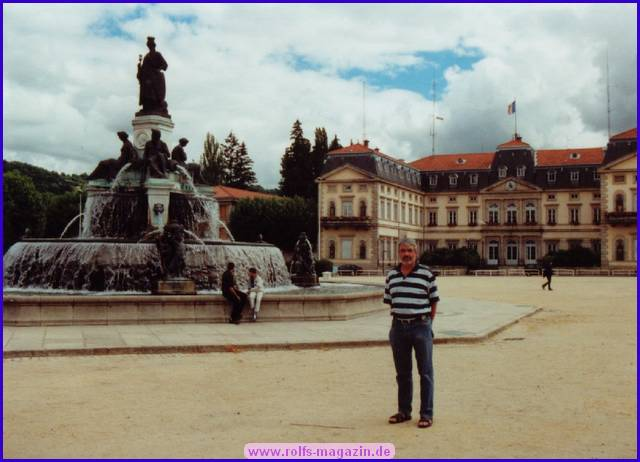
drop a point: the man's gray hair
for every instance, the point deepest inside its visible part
(408, 241)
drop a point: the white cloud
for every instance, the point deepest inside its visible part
(68, 88)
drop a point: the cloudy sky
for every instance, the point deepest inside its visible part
(69, 76)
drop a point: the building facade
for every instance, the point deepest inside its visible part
(513, 205)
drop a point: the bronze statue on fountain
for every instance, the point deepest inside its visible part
(171, 248)
(153, 89)
(108, 169)
(303, 268)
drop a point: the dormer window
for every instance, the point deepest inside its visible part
(453, 179)
(433, 180)
(551, 176)
(461, 161)
(574, 155)
(502, 172)
(521, 170)
(596, 176)
(473, 179)
(575, 176)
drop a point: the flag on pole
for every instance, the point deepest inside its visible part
(511, 108)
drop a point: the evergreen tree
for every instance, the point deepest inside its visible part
(212, 162)
(319, 152)
(335, 143)
(296, 167)
(242, 174)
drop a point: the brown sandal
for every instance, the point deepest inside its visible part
(425, 423)
(399, 418)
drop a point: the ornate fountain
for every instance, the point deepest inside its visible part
(130, 201)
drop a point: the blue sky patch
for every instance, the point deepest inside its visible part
(110, 25)
(419, 77)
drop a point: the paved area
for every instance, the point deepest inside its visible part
(458, 321)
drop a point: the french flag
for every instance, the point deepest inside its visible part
(511, 108)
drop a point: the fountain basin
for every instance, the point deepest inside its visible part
(126, 265)
(296, 305)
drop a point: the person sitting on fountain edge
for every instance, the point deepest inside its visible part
(256, 291)
(233, 294)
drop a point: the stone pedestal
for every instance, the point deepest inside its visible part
(158, 190)
(142, 126)
(305, 280)
(174, 286)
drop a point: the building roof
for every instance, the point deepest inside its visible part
(466, 161)
(572, 156)
(515, 143)
(359, 148)
(630, 134)
(227, 192)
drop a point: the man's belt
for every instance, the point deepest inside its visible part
(421, 317)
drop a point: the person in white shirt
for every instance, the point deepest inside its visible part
(256, 291)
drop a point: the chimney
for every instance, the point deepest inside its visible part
(366, 143)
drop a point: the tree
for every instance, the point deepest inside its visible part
(23, 208)
(212, 161)
(241, 174)
(319, 152)
(296, 166)
(60, 210)
(279, 220)
(335, 143)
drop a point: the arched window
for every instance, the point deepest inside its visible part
(512, 214)
(619, 250)
(493, 253)
(619, 202)
(332, 209)
(530, 211)
(363, 209)
(493, 214)
(332, 249)
(502, 171)
(363, 250)
(521, 170)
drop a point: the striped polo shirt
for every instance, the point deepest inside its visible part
(411, 295)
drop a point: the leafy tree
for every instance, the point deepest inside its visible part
(23, 208)
(335, 143)
(574, 257)
(212, 161)
(279, 220)
(296, 166)
(60, 210)
(47, 181)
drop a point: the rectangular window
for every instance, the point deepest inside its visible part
(346, 248)
(473, 245)
(574, 215)
(551, 197)
(575, 176)
(346, 188)
(362, 187)
(552, 247)
(433, 180)
(453, 245)
(453, 217)
(596, 176)
(453, 180)
(331, 188)
(452, 199)
(382, 209)
(432, 245)
(575, 195)
(473, 217)
(551, 216)
(596, 195)
(433, 218)
(433, 199)
(473, 179)
(395, 211)
(403, 216)
(596, 215)
(347, 208)
(520, 171)
(551, 176)
(618, 179)
(502, 172)
(473, 198)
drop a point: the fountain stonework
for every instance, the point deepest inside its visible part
(90, 279)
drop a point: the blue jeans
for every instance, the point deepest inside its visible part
(404, 337)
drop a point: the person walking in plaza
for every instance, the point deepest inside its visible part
(547, 272)
(256, 291)
(410, 289)
(233, 294)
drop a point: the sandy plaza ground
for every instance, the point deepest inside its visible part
(560, 383)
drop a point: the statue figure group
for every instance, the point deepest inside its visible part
(303, 262)
(156, 161)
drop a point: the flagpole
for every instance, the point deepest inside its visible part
(515, 113)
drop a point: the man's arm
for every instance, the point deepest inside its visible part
(433, 310)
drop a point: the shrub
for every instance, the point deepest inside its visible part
(323, 265)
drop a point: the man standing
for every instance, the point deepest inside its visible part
(411, 291)
(235, 296)
(256, 291)
(547, 272)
